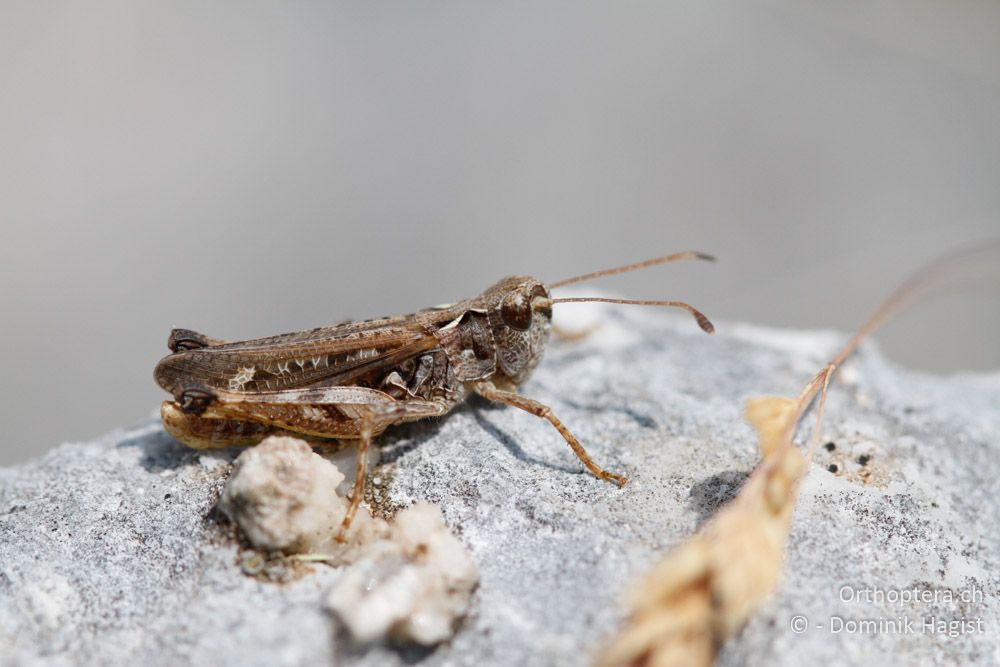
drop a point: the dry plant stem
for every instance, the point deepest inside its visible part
(704, 590)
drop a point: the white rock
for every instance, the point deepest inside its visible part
(411, 580)
(284, 496)
(414, 586)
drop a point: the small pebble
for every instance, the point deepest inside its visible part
(252, 564)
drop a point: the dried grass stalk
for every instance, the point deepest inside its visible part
(703, 591)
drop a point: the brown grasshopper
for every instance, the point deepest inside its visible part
(354, 380)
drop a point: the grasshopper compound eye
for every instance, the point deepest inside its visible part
(515, 311)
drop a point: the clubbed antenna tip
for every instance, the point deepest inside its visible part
(700, 317)
(705, 324)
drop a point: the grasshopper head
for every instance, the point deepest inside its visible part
(520, 314)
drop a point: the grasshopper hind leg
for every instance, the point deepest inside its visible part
(212, 433)
(204, 433)
(216, 418)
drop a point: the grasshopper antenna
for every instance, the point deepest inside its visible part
(633, 267)
(703, 321)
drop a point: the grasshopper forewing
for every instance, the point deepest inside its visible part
(354, 380)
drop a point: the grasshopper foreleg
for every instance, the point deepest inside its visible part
(488, 391)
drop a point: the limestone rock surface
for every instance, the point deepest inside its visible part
(112, 551)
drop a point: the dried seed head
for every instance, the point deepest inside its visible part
(703, 591)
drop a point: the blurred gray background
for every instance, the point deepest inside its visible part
(250, 168)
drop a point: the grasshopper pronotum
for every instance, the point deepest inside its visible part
(354, 380)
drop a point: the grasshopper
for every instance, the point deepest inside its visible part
(354, 380)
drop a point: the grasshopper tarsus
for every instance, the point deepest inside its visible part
(354, 380)
(617, 479)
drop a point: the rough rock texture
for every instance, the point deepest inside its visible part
(283, 496)
(111, 551)
(413, 585)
